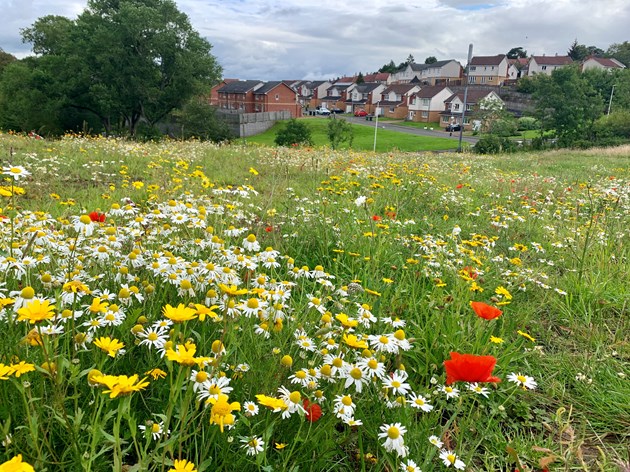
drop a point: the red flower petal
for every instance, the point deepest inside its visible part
(485, 311)
(470, 368)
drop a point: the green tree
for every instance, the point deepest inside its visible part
(294, 133)
(5, 59)
(125, 60)
(410, 59)
(389, 67)
(517, 52)
(339, 131)
(579, 52)
(621, 52)
(568, 104)
(360, 78)
(494, 118)
(430, 60)
(198, 119)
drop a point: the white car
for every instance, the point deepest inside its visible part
(323, 111)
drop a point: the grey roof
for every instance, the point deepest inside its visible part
(487, 60)
(431, 91)
(367, 87)
(421, 67)
(240, 86)
(269, 86)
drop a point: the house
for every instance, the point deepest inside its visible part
(546, 64)
(336, 95)
(238, 96)
(440, 72)
(474, 100)
(277, 96)
(379, 78)
(602, 63)
(214, 91)
(488, 70)
(427, 104)
(395, 99)
(363, 97)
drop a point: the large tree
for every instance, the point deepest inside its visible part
(579, 52)
(516, 52)
(621, 52)
(567, 103)
(125, 60)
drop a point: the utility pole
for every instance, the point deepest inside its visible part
(376, 125)
(611, 96)
(461, 127)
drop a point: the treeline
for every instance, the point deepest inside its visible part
(572, 109)
(120, 68)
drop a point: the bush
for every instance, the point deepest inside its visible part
(615, 125)
(339, 131)
(528, 123)
(199, 120)
(492, 144)
(294, 133)
(504, 127)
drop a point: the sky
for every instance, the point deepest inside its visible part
(325, 39)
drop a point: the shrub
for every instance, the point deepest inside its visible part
(199, 120)
(528, 123)
(504, 127)
(492, 144)
(339, 131)
(294, 133)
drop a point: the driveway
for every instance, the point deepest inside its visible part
(394, 126)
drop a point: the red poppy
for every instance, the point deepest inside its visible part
(97, 217)
(459, 186)
(485, 311)
(470, 368)
(391, 214)
(269, 229)
(376, 218)
(313, 411)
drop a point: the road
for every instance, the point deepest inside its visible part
(394, 126)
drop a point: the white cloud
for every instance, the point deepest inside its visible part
(273, 39)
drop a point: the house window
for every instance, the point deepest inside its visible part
(277, 97)
(543, 67)
(483, 79)
(472, 80)
(456, 107)
(425, 102)
(466, 120)
(392, 109)
(473, 68)
(445, 119)
(469, 107)
(425, 114)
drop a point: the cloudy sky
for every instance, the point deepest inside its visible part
(314, 39)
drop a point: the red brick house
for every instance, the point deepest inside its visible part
(214, 91)
(238, 96)
(277, 96)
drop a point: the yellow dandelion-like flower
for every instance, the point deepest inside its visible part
(179, 313)
(109, 345)
(36, 310)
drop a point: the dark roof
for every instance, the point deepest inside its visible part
(377, 76)
(367, 87)
(429, 92)
(341, 86)
(552, 60)
(390, 103)
(421, 67)
(473, 96)
(604, 61)
(399, 88)
(240, 86)
(269, 86)
(487, 60)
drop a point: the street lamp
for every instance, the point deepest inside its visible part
(461, 126)
(376, 125)
(611, 96)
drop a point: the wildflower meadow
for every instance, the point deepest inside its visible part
(183, 306)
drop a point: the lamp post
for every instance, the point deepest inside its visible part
(375, 125)
(461, 126)
(611, 97)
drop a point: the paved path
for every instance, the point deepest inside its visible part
(394, 126)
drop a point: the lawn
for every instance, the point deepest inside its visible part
(186, 306)
(386, 140)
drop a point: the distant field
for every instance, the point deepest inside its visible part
(386, 140)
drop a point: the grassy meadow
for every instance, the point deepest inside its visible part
(386, 140)
(182, 306)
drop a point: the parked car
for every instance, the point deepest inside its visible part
(323, 111)
(454, 127)
(360, 113)
(337, 111)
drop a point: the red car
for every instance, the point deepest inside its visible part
(360, 113)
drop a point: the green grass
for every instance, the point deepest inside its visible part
(414, 124)
(409, 236)
(386, 140)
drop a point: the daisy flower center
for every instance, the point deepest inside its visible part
(393, 432)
